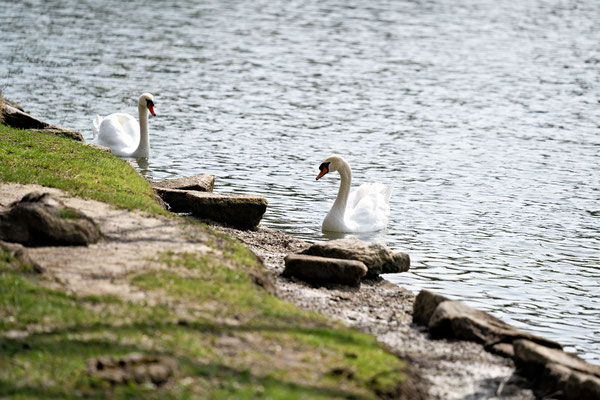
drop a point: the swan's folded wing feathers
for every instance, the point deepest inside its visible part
(96, 126)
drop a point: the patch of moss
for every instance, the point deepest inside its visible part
(32, 157)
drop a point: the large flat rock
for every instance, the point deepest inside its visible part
(553, 371)
(319, 270)
(238, 210)
(176, 199)
(200, 182)
(453, 319)
(377, 258)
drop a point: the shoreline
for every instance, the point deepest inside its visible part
(452, 369)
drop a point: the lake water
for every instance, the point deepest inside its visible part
(484, 114)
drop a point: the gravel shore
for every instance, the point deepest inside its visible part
(450, 369)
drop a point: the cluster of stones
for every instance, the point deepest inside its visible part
(553, 372)
(195, 195)
(344, 262)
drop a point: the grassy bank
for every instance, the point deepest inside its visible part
(229, 336)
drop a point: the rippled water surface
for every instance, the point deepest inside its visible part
(484, 114)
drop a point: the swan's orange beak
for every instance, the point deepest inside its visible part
(151, 108)
(323, 172)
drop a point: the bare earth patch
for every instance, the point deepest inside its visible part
(131, 243)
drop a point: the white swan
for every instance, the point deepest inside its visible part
(122, 133)
(366, 209)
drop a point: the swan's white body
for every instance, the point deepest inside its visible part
(366, 209)
(122, 133)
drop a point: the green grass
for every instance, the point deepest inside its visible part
(31, 157)
(230, 337)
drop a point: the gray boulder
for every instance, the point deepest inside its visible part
(453, 319)
(19, 119)
(321, 270)
(425, 304)
(201, 183)
(176, 199)
(553, 371)
(378, 258)
(237, 210)
(39, 219)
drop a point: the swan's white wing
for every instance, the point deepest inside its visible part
(96, 126)
(120, 132)
(368, 207)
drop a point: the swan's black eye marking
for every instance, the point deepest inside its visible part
(325, 166)
(149, 103)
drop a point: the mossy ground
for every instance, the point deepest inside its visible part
(230, 337)
(31, 157)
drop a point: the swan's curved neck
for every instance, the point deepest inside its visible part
(143, 148)
(341, 201)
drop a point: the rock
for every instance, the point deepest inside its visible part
(505, 350)
(582, 386)
(318, 270)
(19, 253)
(176, 199)
(453, 319)
(554, 371)
(238, 210)
(134, 367)
(201, 183)
(21, 120)
(529, 353)
(425, 304)
(377, 257)
(98, 146)
(39, 219)
(18, 119)
(58, 131)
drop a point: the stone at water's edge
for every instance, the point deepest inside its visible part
(378, 258)
(453, 319)
(238, 210)
(554, 371)
(18, 119)
(176, 199)
(425, 304)
(200, 182)
(39, 219)
(319, 270)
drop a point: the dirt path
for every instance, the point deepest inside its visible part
(132, 242)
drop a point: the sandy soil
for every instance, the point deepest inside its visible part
(132, 242)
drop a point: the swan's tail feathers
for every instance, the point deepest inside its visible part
(96, 126)
(388, 193)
